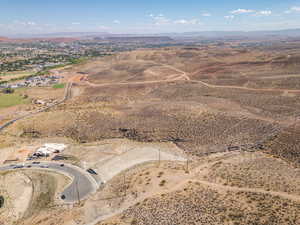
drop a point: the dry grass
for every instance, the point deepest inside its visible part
(253, 170)
(197, 118)
(197, 204)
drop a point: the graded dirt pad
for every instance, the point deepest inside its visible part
(63, 215)
(7, 153)
(29, 193)
(111, 157)
(17, 190)
(132, 186)
(13, 151)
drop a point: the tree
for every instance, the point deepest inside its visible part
(8, 91)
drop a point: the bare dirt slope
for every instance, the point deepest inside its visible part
(197, 198)
(28, 192)
(228, 116)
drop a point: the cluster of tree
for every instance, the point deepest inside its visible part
(23, 64)
(8, 91)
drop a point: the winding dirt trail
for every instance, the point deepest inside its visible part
(280, 76)
(192, 177)
(134, 83)
(219, 187)
(246, 88)
(184, 76)
(215, 186)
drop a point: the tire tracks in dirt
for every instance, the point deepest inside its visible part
(184, 76)
(192, 177)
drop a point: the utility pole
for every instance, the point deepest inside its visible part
(33, 129)
(124, 184)
(78, 197)
(187, 164)
(159, 157)
(295, 122)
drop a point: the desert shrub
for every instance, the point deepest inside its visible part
(1, 201)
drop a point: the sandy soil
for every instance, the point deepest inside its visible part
(17, 197)
(117, 155)
(172, 104)
(191, 184)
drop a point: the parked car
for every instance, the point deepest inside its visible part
(18, 167)
(91, 171)
(44, 166)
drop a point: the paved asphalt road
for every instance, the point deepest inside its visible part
(82, 185)
(66, 96)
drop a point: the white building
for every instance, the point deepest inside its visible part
(50, 148)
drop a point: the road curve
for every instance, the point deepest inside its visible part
(82, 184)
(66, 96)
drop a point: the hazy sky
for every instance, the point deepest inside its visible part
(146, 16)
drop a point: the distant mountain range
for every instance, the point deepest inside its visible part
(63, 35)
(26, 40)
(283, 33)
(292, 33)
(151, 39)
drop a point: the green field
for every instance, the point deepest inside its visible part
(21, 73)
(14, 76)
(58, 86)
(8, 100)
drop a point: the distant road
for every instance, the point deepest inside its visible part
(67, 95)
(185, 76)
(246, 88)
(82, 184)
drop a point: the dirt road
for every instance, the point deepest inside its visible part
(184, 76)
(231, 86)
(193, 177)
(246, 88)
